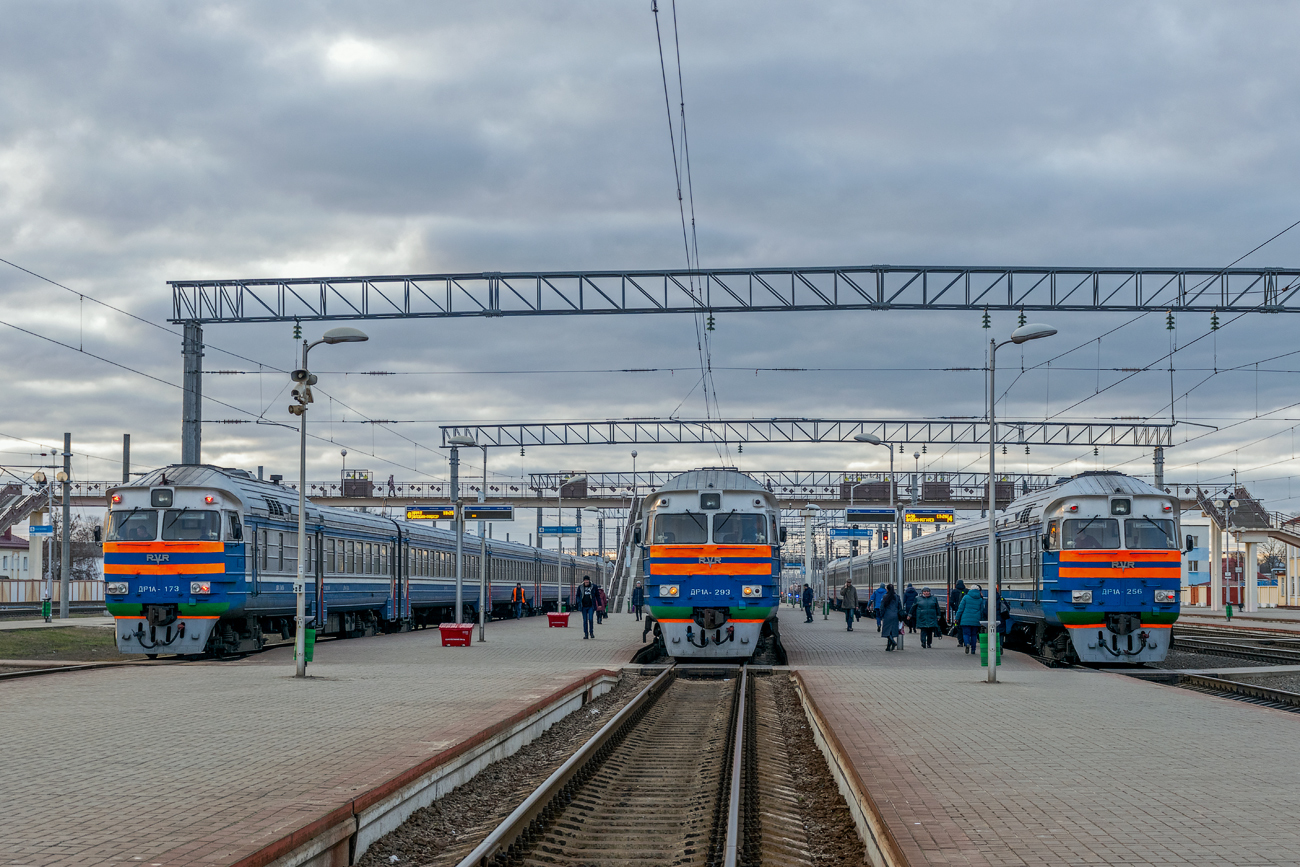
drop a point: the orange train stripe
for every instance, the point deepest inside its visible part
(710, 551)
(1120, 554)
(1103, 626)
(1098, 572)
(164, 569)
(178, 617)
(689, 620)
(164, 547)
(723, 569)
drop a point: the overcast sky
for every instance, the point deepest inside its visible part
(142, 142)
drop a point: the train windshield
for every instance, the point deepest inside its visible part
(1083, 533)
(1149, 533)
(191, 525)
(134, 525)
(685, 529)
(737, 529)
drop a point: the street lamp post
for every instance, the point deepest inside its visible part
(897, 559)
(1021, 335)
(303, 380)
(455, 442)
(484, 603)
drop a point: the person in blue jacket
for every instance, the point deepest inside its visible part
(877, 596)
(969, 613)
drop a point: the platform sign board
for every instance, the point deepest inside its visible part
(40, 530)
(430, 513)
(850, 532)
(798, 565)
(928, 516)
(565, 530)
(870, 516)
(478, 512)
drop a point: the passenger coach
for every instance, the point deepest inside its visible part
(1091, 567)
(201, 559)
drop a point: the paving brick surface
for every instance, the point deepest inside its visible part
(203, 763)
(1051, 766)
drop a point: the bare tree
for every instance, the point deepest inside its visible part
(87, 553)
(1272, 555)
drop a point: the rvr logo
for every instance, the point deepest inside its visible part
(1122, 564)
(157, 558)
(711, 561)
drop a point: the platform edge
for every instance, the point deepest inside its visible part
(882, 849)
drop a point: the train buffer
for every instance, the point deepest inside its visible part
(456, 634)
(557, 618)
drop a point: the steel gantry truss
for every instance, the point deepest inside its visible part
(804, 430)
(728, 290)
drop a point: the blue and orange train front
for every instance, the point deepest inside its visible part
(711, 601)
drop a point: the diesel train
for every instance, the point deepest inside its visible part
(202, 560)
(711, 564)
(1091, 567)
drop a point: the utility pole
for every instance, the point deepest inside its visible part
(65, 564)
(192, 401)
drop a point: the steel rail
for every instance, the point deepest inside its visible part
(540, 801)
(733, 843)
(1202, 645)
(1250, 690)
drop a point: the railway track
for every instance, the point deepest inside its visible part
(687, 773)
(1249, 692)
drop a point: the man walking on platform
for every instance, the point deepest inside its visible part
(849, 601)
(807, 603)
(517, 597)
(877, 596)
(909, 602)
(638, 599)
(587, 605)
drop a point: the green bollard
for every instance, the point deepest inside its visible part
(1228, 609)
(983, 649)
(47, 610)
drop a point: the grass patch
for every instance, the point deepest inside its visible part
(74, 643)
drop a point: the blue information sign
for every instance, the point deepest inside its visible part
(850, 532)
(41, 530)
(870, 516)
(562, 531)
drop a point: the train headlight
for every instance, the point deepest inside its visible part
(1164, 596)
(117, 588)
(200, 587)
(751, 591)
(1080, 595)
(668, 590)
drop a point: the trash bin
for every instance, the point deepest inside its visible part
(984, 649)
(456, 634)
(308, 643)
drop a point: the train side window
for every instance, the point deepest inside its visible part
(1053, 535)
(234, 529)
(279, 551)
(348, 554)
(264, 551)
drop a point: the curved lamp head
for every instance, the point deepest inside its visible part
(344, 334)
(870, 439)
(1032, 331)
(461, 440)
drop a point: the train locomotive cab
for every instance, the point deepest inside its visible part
(713, 565)
(1111, 568)
(165, 565)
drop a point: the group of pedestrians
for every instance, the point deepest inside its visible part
(918, 611)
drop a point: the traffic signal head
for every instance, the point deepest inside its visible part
(853, 547)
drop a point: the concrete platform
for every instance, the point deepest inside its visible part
(1050, 766)
(209, 763)
(1273, 619)
(39, 623)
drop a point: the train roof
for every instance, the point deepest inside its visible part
(712, 478)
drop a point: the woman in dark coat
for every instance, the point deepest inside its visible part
(927, 617)
(891, 612)
(954, 600)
